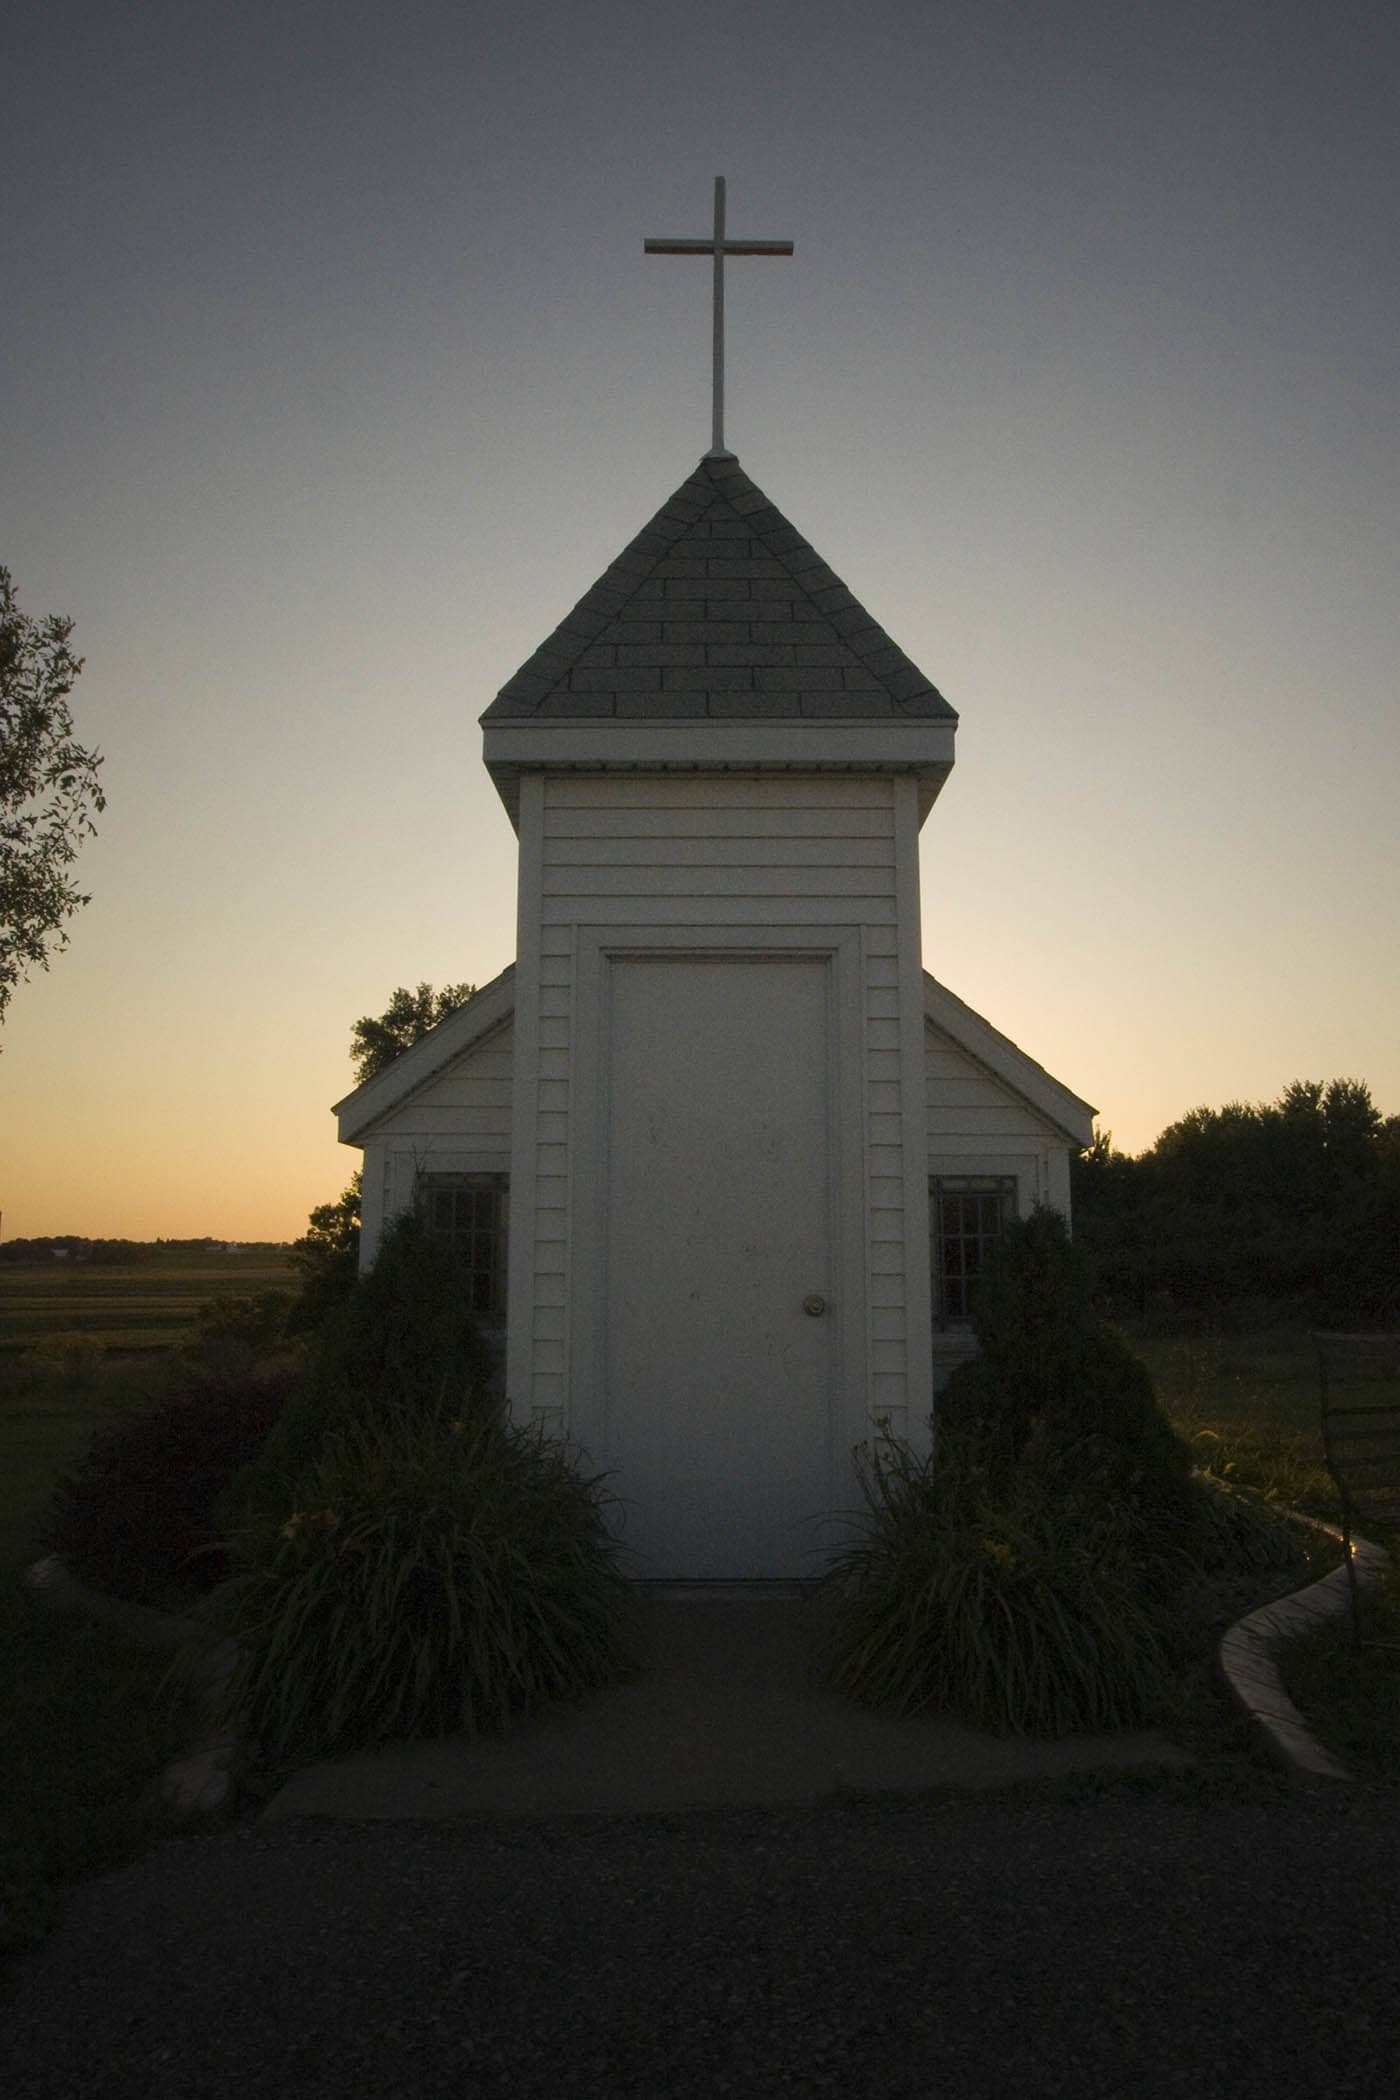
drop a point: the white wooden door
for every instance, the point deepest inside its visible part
(718, 1341)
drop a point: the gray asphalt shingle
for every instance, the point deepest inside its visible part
(719, 607)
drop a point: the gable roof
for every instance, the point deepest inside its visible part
(494, 1005)
(1008, 1062)
(487, 1009)
(719, 608)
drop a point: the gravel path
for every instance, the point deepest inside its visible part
(1123, 1944)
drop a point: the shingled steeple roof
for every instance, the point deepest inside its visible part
(719, 609)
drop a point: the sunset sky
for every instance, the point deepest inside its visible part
(332, 372)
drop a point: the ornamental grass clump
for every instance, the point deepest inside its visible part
(434, 1575)
(990, 1605)
(1029, 1574)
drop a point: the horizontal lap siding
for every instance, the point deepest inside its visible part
(977, 1125)
(717, 850)
(658, 877)
(466, 1108)
(965, 1103)
(696, 908)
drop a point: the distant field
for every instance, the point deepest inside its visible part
(144, 1305)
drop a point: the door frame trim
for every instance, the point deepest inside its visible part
(597, 948)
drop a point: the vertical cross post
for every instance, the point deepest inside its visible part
(717, 388)
(718, 247)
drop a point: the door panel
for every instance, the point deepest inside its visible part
(718, 1227)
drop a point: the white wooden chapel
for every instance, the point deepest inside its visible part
(751, 1154)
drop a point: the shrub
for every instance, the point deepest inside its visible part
(987, 1602)
(256, 1322)
(1235, 1532)
(67, 1355)
(405, 1337)
(135, 1516)
(435, 1574)
(328, 1258)
(1029, 1574)
(1055, 1391)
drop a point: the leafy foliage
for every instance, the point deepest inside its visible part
(406, 1560)
(90, 1717)
(1350, 1690)
(1027, 1574)
(377, 1039)
(135, 1517)
(957, 1595)
(433, 1574)
(328, 1258)
(328, 1252)
(1055, 1391)
(251, 1321)
(76, 1356)
(404, 1336)
(1252, 1209)
(48, 789)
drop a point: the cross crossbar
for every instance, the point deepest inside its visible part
(717, 246)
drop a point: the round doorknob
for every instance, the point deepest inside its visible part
(815, 1305)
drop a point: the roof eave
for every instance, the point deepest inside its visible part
(1008, 1062)
(389, 1089)
(880, 744)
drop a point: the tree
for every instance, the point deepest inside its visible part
(377, 1039)
(328, 1252)
(328, 1257)
(48, 789)
(1291, 1206)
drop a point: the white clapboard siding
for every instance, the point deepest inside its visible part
(468, 1101)
(969, 1110)
(977, 1124)
(700, 855)
(696, 908)
(739, 852)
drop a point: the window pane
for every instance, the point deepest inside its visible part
(967, 1218)
(469, 1213)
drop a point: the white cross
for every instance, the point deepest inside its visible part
(718, 247)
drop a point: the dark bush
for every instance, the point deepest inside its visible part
(1056, 1391)
(1029, 1573)
(136, 1516)
(256, 1322)
(434, 1575)
(405, 1560)
(404, 1337)
(983, 1599)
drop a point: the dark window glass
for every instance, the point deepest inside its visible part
(470, 1212)
(968, 1217)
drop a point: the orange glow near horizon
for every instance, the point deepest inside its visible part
(315, 439)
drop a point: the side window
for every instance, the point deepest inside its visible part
(969, 1213)
(471, 1212)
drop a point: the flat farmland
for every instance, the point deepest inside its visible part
(140, 1305)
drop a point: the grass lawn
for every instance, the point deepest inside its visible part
(1249, 1404)
(1349, 1691)
(84, 1728)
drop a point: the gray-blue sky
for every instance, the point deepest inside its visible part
(332, 372)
